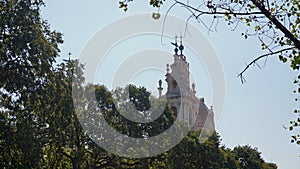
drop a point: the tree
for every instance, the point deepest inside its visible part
(249, 158)
(66, 145)
(275, 23)
(230, 161)
(66, 138)
(138, 103)
(28, 49)
(191, 153)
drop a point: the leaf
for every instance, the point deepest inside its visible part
(123, 6)
(228, 17)
(256, 28)
(155, 15)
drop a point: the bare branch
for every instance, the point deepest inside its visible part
(165, 18)
(228, 12)
(254, 62)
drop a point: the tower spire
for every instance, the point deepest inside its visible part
(181, 46)
(176, 45)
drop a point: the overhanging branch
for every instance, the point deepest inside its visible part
(253, 62)
(216, 12)
(263, 11)
(278, 24)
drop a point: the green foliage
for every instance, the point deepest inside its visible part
(154, 3)
(28, 50)
(140, 98)
(295, 124)
(28, 47)
(249, 157)
(65, 144)
(229, 161)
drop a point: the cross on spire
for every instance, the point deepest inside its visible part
(176, 45)
(181, 46)
(69, 60)
(69, 54)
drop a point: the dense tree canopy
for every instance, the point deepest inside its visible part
(28, 49)
(62, 143)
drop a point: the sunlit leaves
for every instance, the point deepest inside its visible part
(123, 5)
(156, 15)
(156, 3)
(256, 28)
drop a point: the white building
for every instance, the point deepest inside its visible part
(181, 95)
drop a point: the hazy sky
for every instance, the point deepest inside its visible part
(254, 112)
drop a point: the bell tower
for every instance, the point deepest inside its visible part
(179, 93)
(182, 98)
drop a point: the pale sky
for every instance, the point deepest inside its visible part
(254, 112)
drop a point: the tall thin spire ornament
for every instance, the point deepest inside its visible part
(176, 45)
(181, 46)
(159, 88)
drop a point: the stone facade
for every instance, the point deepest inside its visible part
(181, 96)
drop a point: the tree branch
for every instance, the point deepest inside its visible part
(258, 58)
(278, 24)
(218, 13)
(263, 11)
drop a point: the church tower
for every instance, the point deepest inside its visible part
(183, 101)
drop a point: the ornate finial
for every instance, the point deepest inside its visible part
(69, 54)
(159, 88)
(168, 69)
(176, 46)
(69, 60)
(181, 46)
(193, 88)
